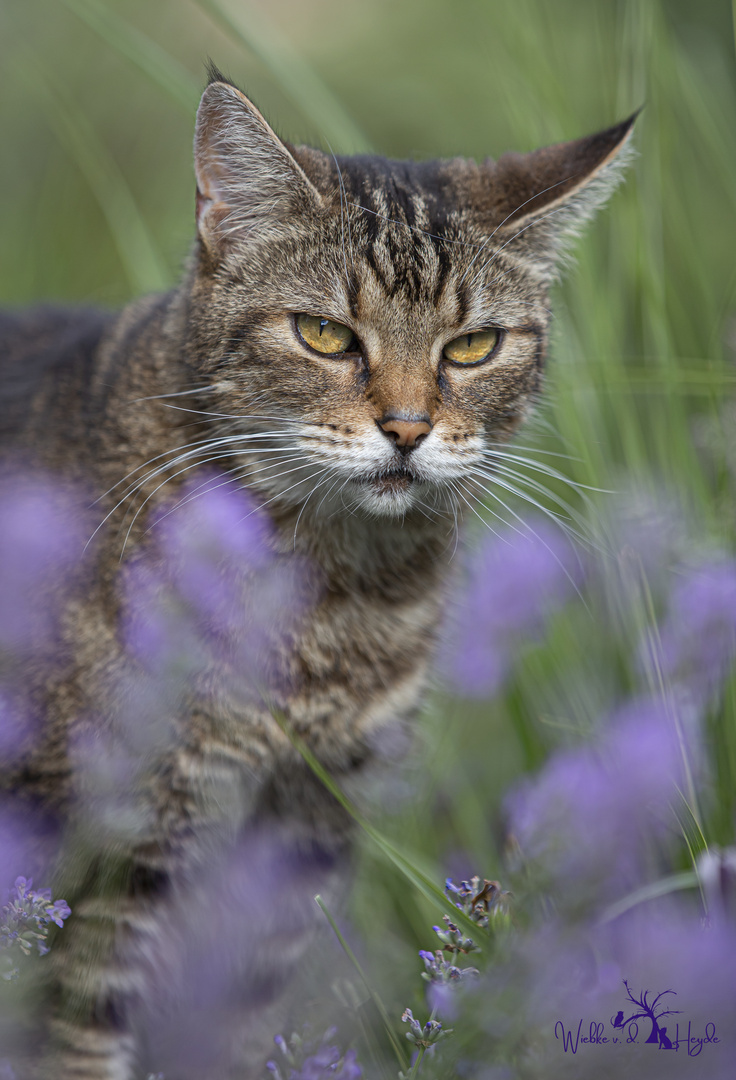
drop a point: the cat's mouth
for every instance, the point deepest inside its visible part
(389, 481)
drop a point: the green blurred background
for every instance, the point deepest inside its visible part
(97, 103)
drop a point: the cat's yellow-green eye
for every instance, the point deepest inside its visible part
(472, 348)
(324, 335)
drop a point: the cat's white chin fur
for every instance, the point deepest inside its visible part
(382, 499)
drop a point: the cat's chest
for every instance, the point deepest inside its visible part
(357, 669)
(363, 661)
(354, 667)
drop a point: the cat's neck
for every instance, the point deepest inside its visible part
(397, 557)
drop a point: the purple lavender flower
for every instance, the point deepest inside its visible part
(697, 642)
(16, 728)
(207, 603)
(310, 1058)
(445, 979)
(587, 817)
(453, 939)
(513, 583)
(212, 589)
(424, 1035)
(232, 938)
(24, 921)
(437, 970)
(478, 898)
(42, 538)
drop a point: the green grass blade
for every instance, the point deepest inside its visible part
(688, 879)
(401, 1056)
(292, 72)
(139, 49)
(136, 248)
(421, 881)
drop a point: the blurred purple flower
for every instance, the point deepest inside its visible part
(16, 727)
(588, 817)
(513, 583)
(308, 1060)
(28, 844)
(697, 642)
(212, 589)
(42, 538)
(107, 769)
(237, 926)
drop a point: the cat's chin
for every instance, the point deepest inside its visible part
(391, 495)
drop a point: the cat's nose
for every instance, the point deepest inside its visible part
(406, 432)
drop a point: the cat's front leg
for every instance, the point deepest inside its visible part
(182, 954)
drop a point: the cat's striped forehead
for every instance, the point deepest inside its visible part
(406, 231)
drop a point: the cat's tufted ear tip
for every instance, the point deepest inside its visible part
(248, 182)
(214, 74)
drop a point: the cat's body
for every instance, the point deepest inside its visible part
(363, 459)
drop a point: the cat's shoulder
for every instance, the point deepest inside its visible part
(41, 347)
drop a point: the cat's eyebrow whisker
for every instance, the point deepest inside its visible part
(530, 303)
(509, 216)
(536, 221)
(490, 261)
(343, 215)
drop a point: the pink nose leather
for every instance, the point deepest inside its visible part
(407, 432)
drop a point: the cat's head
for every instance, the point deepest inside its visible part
(368, 329)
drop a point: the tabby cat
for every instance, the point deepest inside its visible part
(351, 340)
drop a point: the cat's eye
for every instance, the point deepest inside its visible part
(325, 335)
(472, 348)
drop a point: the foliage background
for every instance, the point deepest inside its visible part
(97, 100)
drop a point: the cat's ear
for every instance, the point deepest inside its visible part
(542, 198)
(248, 183)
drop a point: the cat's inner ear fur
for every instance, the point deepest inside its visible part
(248, 182)
(545, 196)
